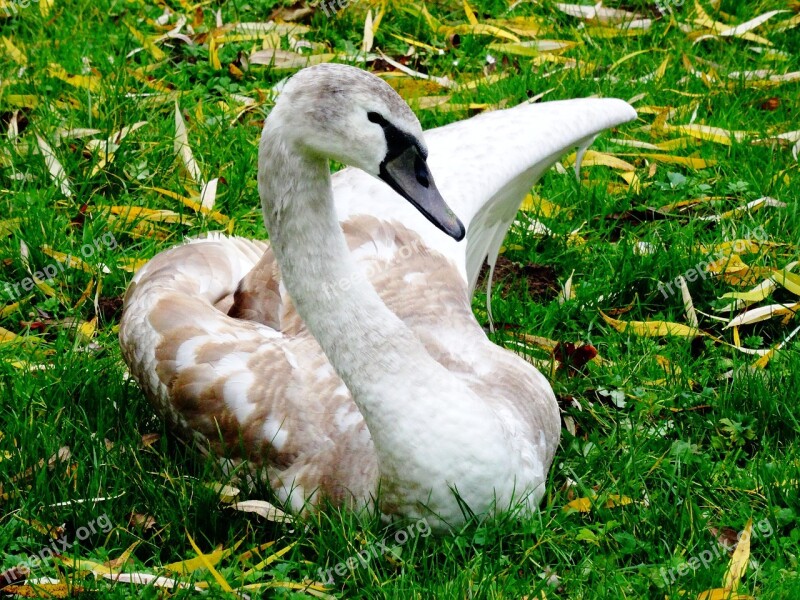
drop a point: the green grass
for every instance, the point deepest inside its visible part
(696, 451)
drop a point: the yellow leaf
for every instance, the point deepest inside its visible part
(751, 206)
(652, 328)
(583, 505)
(613, 32)
(119, 563)
(517, 49)
(17, 55)
(677, 144)
(156, 52)
(593, 158)
(743, 28)
(662, 69)
(524, 26)
(44, 590)
(87, 82)
(704, 20)
(376, 22)
(737, 247)
(206, 562)
(722, 594)
(154, 84)
(86, 330)
(132, 265)
(481, 29)
(217, 577)
(7, 226)
(69, 260)
(45, 6)
(195, 206)
(86, 294)
(473, 20)
(287, 60)
(185, 567)
(633, 181)
(540, 206)
(312, 589)
(788, 24)
(22, 100)
(139, 213)
(80, 564)
(46, 289)
(8, 309)
(627, 57)
(790, 281)
(268, 561)
(739, 560)
(213, 57)
(615, 500)
(762, 362)
(51, 531)
(752, 296)
(685, 161)
(417, 44)
(710, 134)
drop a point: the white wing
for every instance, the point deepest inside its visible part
(484, 167)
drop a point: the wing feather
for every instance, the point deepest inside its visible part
(484, 167)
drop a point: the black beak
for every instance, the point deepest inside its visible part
(408, 175)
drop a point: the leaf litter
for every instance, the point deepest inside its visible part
(674, 137)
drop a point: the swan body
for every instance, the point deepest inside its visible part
(342, 358)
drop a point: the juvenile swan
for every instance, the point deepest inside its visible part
(342, 359)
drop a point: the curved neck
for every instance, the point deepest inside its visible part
(367, 344)
(422, 418)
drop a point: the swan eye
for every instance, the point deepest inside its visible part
(377, 118)
(421, 172)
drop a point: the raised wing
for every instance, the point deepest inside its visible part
(484, 168)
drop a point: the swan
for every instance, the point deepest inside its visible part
(341, 360)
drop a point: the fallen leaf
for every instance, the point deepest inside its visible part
(739, 560)
(652, 328)
(263, 509)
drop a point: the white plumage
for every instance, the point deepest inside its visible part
(342, 359)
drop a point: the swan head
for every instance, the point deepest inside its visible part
(345, 114)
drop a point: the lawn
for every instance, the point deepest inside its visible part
(671, 259)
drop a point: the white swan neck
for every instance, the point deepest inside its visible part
(358, 333)
(422, 418)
